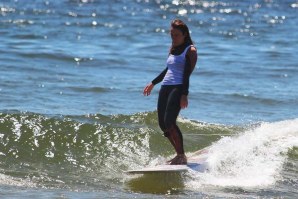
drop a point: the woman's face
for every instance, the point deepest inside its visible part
(177, 37)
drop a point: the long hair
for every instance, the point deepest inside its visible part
(180, 25)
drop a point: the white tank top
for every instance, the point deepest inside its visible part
(175, 64)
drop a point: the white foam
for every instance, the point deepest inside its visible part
(254, 158)
(12, 181)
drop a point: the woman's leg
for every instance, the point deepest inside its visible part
(168, 110)
(161, 110)
(170, 117)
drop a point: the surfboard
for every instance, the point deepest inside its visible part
(196, 162)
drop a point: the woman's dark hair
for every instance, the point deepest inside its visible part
(180, 25)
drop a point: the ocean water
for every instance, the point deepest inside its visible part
(73, 118)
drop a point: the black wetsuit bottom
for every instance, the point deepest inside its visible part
(168, 108)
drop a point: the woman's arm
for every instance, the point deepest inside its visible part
(160, 77)
(148, 88)
(191, 60)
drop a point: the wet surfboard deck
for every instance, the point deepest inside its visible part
(196, 162)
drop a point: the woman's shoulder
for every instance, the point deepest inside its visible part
(192, 50)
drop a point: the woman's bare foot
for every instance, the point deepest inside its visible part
(173, 159)
(178, 160)
(169, 161)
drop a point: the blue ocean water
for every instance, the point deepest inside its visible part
(79, 57)
(72, 67)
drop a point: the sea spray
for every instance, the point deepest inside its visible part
(254, 158)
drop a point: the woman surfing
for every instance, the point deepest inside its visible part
(173, 94)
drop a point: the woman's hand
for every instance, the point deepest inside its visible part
(184, 101)
(148, 89)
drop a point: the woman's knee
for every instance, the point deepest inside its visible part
(163, 128)
(170, 129)
(170, 125)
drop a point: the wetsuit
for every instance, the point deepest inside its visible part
(175, 83)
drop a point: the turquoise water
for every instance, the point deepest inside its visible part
(73, 117)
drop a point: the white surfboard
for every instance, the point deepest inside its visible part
(196, 162)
